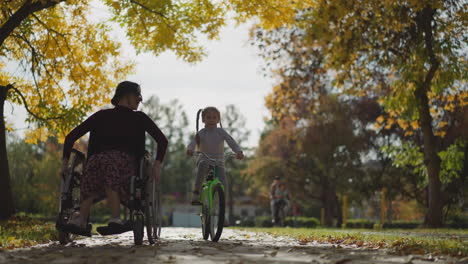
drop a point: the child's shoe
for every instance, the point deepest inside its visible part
(195, 199)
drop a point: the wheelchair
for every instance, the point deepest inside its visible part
(144, 203)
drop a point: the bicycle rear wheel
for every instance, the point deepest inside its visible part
(217, 213)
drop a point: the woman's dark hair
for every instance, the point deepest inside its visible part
(125, 88)
(203, 113)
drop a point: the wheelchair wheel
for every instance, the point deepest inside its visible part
(138, 228)
(151, 213)
(70, 195)
(158, 210)
(64, 237)
(217, 213)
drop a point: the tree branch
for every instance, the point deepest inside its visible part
(29, 110)
(165, 19)
(21, 14)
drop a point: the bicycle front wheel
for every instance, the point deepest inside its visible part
(217, 213)
(205, 216)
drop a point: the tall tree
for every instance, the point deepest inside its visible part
(172, 120)
(418, 47)
(70, 64)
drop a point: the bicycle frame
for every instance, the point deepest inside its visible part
(208, 186)
(211, 180)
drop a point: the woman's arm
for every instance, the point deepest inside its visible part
(73, 136)
(76, 133)
(157, 135)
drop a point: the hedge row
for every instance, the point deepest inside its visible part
(310, 222)
(369, 224)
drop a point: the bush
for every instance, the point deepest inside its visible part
(456, 220)
(309, 222)
(263, 221)
(371, 224)
(402, 224)
(360, 223)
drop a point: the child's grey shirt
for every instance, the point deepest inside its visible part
(212, 142)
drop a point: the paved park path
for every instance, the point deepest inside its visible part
(185, 245)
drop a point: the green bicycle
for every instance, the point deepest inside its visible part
(213, 200)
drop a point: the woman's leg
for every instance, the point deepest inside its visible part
(114, 202)
(85, 208)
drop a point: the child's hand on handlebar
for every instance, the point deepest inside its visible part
(240, 155)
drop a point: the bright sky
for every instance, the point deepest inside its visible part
(230, 74)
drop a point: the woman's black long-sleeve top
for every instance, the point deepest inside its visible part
(119, 128)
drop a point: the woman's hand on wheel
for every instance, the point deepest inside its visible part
(157, 170)
(64, 168)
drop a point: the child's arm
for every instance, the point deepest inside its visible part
(233, 144)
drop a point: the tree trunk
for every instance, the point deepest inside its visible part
(328, 201)
(431, 158)
(389, 210)
(432, 161)
(339, 213)
(7, 207)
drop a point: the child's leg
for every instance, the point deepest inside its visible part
(202, 171)
(222, 178)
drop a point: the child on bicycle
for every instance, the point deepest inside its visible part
(210, 140)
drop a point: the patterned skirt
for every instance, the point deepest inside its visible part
(108, 169)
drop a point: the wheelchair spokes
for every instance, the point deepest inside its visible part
(144, 205)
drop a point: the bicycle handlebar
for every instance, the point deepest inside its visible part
(227, 155)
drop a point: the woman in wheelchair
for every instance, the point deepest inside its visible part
(116, 143)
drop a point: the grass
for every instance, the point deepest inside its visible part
(23, 231)
(418, 241)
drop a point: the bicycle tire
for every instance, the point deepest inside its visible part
(205, 219)
(220, 207)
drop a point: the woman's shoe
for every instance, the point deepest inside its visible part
(78, 229)
(115, 227)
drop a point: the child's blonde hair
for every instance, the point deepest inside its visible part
(203, 113)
